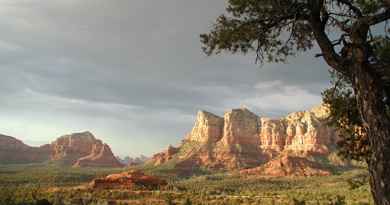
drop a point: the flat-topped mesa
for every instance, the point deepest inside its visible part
(208, 128)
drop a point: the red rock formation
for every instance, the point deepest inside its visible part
(207, 129)
(243, 140)
(83, 150)
(287, 165)
(128, 180)
(78, 149)
(101, 156)
(13, 150)
(69, 148)
(165, 156)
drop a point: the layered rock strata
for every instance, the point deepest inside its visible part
(240, 139)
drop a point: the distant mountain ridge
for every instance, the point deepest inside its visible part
(13, 150)
(77, 149)
(241, 140)
(133, 161)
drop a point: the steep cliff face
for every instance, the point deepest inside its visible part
(207, 129)
(242, 139)
(299, 132)
(238, 146)
(78, 149)
(69, 148)
(14, 151)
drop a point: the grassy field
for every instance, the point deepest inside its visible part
(22, 182)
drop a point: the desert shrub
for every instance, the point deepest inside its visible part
(339, 200)
(187, 202)
(298, 202)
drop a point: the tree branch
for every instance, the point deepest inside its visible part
(355, 9)
(384, 16)
(329, 54)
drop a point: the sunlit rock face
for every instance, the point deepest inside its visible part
(101, 156)
(207, 129)
(240, 127)
(238, 146)
(69, 148)
(309, 132)
(77, 149)
(242, 139)
(14, 151)
(83, 150)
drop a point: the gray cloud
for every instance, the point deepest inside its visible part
(131, 71)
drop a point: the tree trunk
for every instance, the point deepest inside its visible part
(370, 96)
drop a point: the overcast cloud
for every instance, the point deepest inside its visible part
(132, 72)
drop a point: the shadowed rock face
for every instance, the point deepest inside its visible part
(242, 139)
(78, 149)
(13, 150)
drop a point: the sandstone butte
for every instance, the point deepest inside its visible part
(77, 149)
(128, 180)
(241, 140)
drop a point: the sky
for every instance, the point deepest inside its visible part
(132, 72)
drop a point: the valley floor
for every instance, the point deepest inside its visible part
(65, 186)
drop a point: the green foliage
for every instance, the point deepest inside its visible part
(298, 202)
(340, 200)
(169, 201)
(275, 29)
(369, 6)
(213, 189)
(259, 26)
(187, 202)
(345, 116)
(50, 175)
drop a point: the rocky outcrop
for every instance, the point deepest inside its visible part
(14, 151)
(242, 140)
(78, 149)
(128, 180)
(83, 150)
(101, 156)
(287, 165)
(161, 158)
